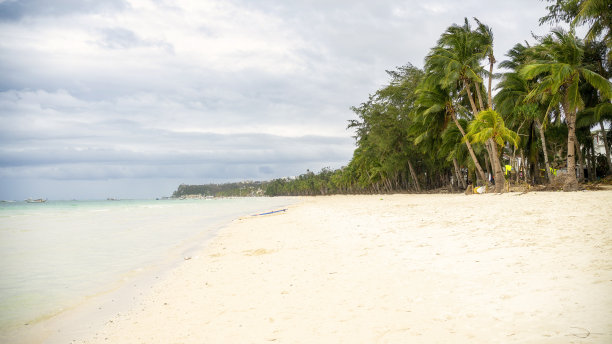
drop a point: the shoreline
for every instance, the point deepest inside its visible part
(92, 311)
(533, 267)
(84, 313)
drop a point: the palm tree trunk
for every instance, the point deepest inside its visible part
(515, 159)
(488, 163)
(415, 180)
(580, 161)
(589, 162)
(514, 164)
(495, 163)
(479, 96)
(571, 183)
(471, 176)
(470, 149)
(469, 93)
(605, 139)
(499, 153)
(544, 150)
(524, 165)
(593, 164)
(499, 174)
(458, 173)
(491, 63)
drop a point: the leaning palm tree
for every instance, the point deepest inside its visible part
(455, 61)
(561, 71)
(435, 109)
(453, 65)
(489, 125)
(485, 36)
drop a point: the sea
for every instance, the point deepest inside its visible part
(55, 255)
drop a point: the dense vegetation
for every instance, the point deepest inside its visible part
(442, 126)
(221, 190)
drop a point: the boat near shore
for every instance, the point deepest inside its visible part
(38, 200)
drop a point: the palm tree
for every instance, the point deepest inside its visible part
(455, 60)
(489, 125)
(598, 14)
(453, 68)
(559, 64)
(485, 35)
(511, 99)
(435, 110)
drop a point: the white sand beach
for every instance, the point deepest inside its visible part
(511, 268)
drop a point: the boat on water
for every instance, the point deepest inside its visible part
(38, 200)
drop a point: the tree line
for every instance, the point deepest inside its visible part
(238, 189)
(443, 126)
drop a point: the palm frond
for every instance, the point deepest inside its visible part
(600, 83)
(530, 71)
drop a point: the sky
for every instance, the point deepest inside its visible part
(130, 98)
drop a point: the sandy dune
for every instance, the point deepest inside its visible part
(530, 268)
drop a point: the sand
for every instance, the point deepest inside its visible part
(511, 268)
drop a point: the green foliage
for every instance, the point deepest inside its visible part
(597, 14)
(221, 190)
(560, 11)
(560, 70)
(455, 59)
(489, 124)
(309, 184)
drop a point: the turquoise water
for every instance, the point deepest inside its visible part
(53, 255)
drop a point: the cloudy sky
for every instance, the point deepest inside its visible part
(130, 98)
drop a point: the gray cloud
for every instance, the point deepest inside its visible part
(17, 9)
(120, 38)
(212, 148)
(81, 140)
